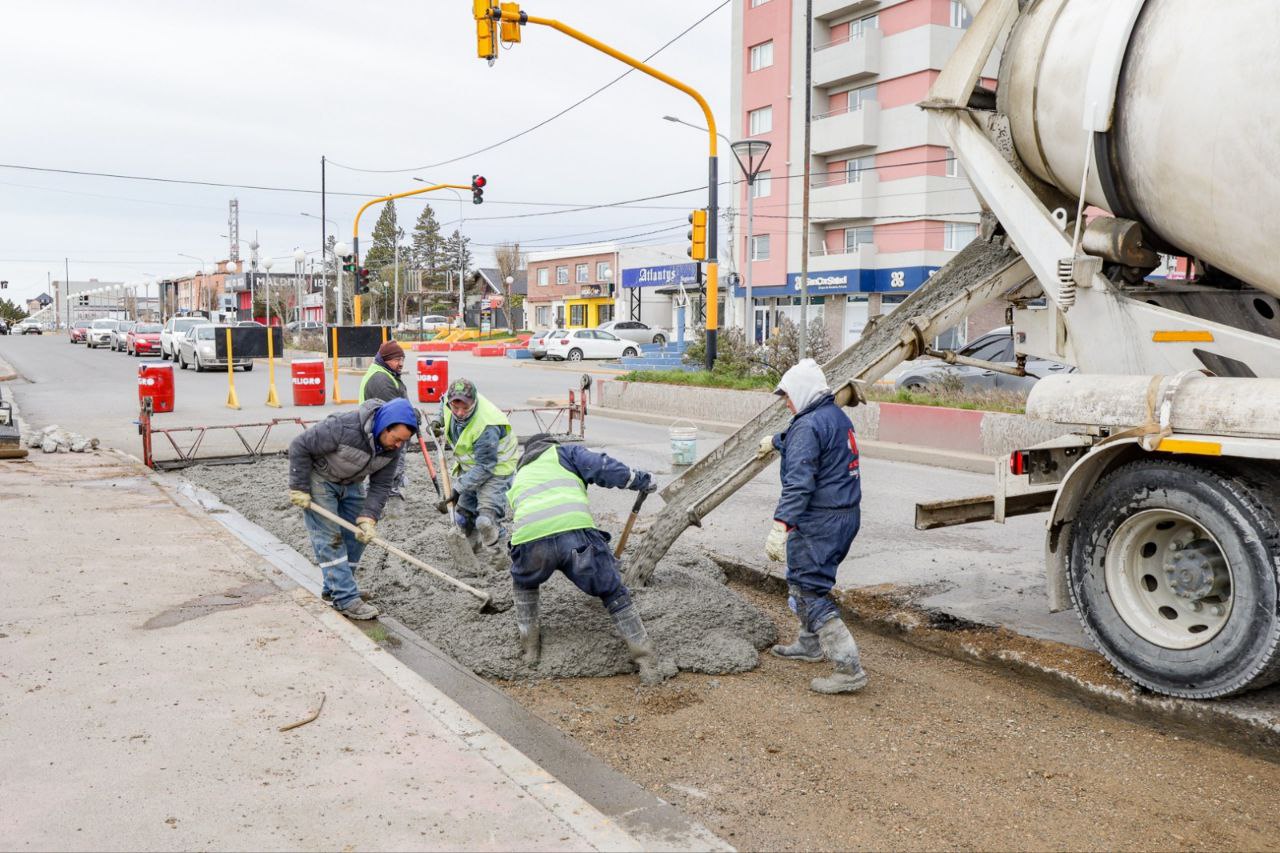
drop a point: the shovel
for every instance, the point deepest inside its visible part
(487, 604)
(431, 469)
(631, 521)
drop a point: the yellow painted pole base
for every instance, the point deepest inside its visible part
(273, 399)
(233, 401)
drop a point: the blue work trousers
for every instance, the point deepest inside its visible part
(817, 545)
(582, 555)
(490, 499)
(337, 550)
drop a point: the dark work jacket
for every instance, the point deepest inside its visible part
(819, 462)
(343, 449)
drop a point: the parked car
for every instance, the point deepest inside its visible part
(995, 346)
(196, 348)
(29, 327)
(538, 343)
(79, 332)
(100, 332)
(578, 344)
(173, 330)
(119, 333)
(430, 323)
(250, 323)
(633, 330)
(304, 326)
(4, 326)
(143, 339)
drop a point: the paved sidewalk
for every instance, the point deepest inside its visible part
(148, 661)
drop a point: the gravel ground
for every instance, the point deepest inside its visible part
(934, 754)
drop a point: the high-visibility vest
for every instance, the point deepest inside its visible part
(374, 370)
(547, 499)
(485, 415)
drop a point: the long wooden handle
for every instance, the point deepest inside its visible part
(631, 520)
(408, 558)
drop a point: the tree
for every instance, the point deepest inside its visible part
(457, 254)
(510, 262)
(387, 234)
(426, 250)
(10, 311)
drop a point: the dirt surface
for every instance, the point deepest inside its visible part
(698, 624)
(934, 754)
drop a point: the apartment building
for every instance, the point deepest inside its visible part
(888, 202)
(571, 288)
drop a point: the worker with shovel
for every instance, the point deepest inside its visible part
(328, 465)
(382, 382)
(485, 449)
(553, 531)
(815, 521)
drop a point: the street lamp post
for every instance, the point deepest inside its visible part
(266, 266)
(750, 154)
(299, 258)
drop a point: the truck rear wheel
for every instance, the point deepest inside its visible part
(1173, 572)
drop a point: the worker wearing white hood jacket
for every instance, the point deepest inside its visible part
(815, 522)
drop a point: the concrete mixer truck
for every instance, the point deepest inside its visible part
(1120, 132)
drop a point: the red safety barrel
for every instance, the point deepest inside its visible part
(156, 381)
(433, 378)
(308, 381)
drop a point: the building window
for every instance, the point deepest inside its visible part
(582, 273)
(953, 165)
(578, 314)
(755, 3)
(760, 121)
(762, 56)
(603, 271)
(763, 185)
(760, 247)
(605, 313)
(562, 275)
(856, 238)
(854, 168)
(859, 97)
(960, 17)
(862, 26)
(544, 315)
(544, 274)
(958, 235)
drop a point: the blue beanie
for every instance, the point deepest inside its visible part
(397, 411)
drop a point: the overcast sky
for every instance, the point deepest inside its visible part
(256, 92)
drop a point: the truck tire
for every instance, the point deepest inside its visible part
(1173, 573)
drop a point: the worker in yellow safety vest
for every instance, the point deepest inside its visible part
(552, 531)
(484, 450)
(382, 382)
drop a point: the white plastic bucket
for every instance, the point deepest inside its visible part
(684, 443)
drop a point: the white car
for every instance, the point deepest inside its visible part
(430, 323)
(633, 330)
(120, 333)
(577, 344)
(173, 330)
(100, 332)
(197, 349)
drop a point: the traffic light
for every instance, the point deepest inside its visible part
(362, 280)
(477, 189)
(486, 35)
(698, 235)
(348, 263)
(510, 29)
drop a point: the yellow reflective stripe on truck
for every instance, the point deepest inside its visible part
(1182, 337)
(1184, 445)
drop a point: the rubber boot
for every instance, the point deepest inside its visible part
(487, 531)
(527, 623)
(806, 648)
(838, 645)
(632, 629)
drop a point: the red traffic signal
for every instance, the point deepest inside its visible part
(477, 189)
(362, 282)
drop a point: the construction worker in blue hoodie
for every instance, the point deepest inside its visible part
(485, 449)
(553, 531)
(815, 521)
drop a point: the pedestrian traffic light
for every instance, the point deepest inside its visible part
(348, 263)
(698, 235)
(486, 36)
(477, 189)
(362, 280)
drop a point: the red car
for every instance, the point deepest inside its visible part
(79, 332)
(143, 339)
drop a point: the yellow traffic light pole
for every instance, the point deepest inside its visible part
(488, 11)
(355, 236)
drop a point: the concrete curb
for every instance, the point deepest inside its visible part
(7, 372)
(1082, 674)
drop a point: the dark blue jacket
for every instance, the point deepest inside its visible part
(594, 469)
(819, 462)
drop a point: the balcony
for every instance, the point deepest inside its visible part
(821, 260)
(834, 196)
(847, 60)
(824, 9)
(846, 130)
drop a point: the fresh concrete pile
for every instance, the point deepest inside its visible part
(55, 439)
(696, 622)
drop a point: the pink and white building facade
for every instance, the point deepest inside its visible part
(888, 203)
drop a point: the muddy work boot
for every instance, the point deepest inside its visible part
(632, 629)
(487, 531)
(806, 648)
(359, 609)
(838, 645)
(527, 623)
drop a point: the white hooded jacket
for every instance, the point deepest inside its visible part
(804, 383)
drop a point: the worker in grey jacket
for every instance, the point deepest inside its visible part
(328, 465)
